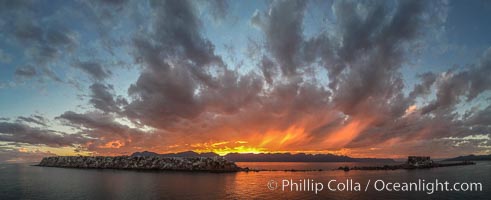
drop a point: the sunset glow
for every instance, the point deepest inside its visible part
(365, 79)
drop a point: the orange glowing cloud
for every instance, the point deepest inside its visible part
(271, 141)
(112, 145)
(410, 110)
(345, 134)
(279, 140)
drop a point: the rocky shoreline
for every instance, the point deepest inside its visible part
(204, 164)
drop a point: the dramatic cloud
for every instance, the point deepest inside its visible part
(27, 71)
(219, 9)
(282, 26)
(103, 99)
(45, 44)
(36, 119)
(21, 133)
(423, 88)
(175, 58)
(94, 69)
(43, 40)
(348, 77)
(268, 69)
(107, 135)
(452, 85)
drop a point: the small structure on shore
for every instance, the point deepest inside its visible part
(419, 161)
(413, 162)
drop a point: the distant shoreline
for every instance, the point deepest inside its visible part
(407, 166)
(471, 158)
(270, 157)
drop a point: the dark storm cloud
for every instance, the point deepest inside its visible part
(232, 93)
(29, 32)
(319, 48)
(178, 97)
(8, 6)
(187, 94)
(51, 74)
(363, 60)
(413, 128)
(478, 76)
(60, 36)
(172, 94)
(103, 99)
(35, 119)
(268, 69)
(469, 83)
(282, 26)
(106, 10)
(45, 43)
(97, 121)
(49, 39)
(372, 34)
(219, 9)
(26, 71)
(94, 69)
(175, 57)
(480, 118)
(451, 88)
(43, 40)
(424, 87)
(21, 133)
(367, 81)
(113, 2)
(177, 32)
(356, 32)
(164, 96)
(174, 91)
(104, 128)
(370, 48)
(419, 128)
(375, 31)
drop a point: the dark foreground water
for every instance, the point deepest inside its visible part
(22, 181)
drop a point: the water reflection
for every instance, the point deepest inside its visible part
(29, 182)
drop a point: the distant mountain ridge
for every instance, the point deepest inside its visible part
(269, 157)
(470, 158)
(300, 157)
(180, 154)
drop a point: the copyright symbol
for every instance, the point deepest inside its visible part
(272, 185)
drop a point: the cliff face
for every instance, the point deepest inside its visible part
(214, 164)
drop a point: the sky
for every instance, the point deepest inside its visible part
(358, 78)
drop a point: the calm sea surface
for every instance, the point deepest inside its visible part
(22, 181)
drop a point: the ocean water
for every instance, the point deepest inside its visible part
(23, 181)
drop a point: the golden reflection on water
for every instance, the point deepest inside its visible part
(30, 182)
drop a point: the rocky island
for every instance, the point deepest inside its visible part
(205, 164)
